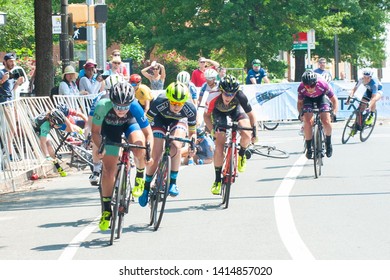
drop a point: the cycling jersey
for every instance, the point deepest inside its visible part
(41, 125)
(372, 87)
(321, 88)
(113, 126)
(257, 75)
(143, 93)
(213, 92)
(159, 110)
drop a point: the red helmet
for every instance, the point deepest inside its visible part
(135, 79)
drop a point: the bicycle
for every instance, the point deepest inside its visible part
(266, 151)
(229, 169)
(159, 191)
(121, 194)
(355, 121)
(318, 142)
(268, 125)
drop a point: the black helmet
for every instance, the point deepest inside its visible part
(63, 108)
(309, 78)
(229, 84)
(57, 117)
(122, 93)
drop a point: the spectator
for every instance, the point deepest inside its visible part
(197, 76)
(119, 68)
(68, 84)
(91, 82)
(204, 149)
(142, 92)
(322, 71)
(256, 74)
(221, 73)
(8, 84)
(82, 70)
(156, 79)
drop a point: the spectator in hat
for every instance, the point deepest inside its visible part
(197, 76)
(82, 70)
(68, 84)
(91, 82)
(256, 74)
(116, 66)
(8, 84)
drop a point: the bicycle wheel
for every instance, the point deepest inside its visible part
(270, 125)
(228, 176)
(116, 198)
(349, 126)
(159, 193)
(124, 202)
(317, 151)
(269, 151)
(84, 155)
(367, 129)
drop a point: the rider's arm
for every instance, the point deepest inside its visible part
(207, 121)
(335, 104)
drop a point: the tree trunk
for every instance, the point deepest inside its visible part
(44, 73)
(299, 64)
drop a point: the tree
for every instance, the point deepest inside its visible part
(44, 74)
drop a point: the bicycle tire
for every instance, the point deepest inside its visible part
(83, 154)
(269, 151)
(367, 129)
(229, 175)
(160, 192)
(115, 203)
(124, 202)
(349, 126)
(317, 151)
(270, 125)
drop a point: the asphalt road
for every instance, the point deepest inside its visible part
(278, 211)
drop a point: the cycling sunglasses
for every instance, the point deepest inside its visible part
(121, 108)
(228, 94)
(179, 104)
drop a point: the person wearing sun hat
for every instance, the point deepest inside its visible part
(82, 70)
(68, 84)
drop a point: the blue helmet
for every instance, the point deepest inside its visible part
(63, 108)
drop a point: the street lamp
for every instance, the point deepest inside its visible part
(3, 18)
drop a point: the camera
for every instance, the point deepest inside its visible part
(15, 75)
(99, 71)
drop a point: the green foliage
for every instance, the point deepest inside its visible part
(135, 51)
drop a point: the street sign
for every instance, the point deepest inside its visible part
(300, 46)
(56, 21)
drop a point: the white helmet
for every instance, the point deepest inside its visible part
(183, 77)
(210, 74)
(368, 72)
(112, 80)
(326, 76)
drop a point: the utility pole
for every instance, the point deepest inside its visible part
(101, 42)
(336, 57)
(64, 37)
(90, 35)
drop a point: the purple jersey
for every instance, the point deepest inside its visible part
(322, 87)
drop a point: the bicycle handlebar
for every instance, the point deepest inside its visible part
(184, 140)
(126, 145)
(236, 127)
(353, 99)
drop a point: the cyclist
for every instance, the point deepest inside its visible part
(233, 103)
(142, 92)
(314, 89)
(97, 165)
(76, 118)
(211, 86)
(173, 109)
(185, 78)
(42, 124)
(112, 117)
(372, 94)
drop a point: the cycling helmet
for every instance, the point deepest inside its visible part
(135, 79)
(368, 72)
(122, 93)
(229, 84)
(256, 61)
(309, 78)
(183, 77)
(210, 74)
(200, 133)
(63, 108)
(57, 117)
(112, 80)
(177, 92)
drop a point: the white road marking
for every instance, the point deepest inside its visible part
(74, 245)
(284, 219)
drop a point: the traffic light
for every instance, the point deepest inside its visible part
(101, 13)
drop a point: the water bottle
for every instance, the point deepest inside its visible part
(200, 161)
(190, 161)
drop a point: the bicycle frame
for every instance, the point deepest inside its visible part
(318, 142)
